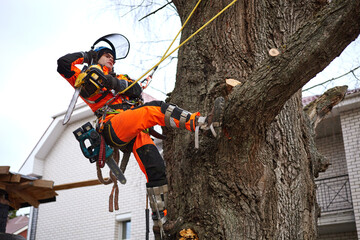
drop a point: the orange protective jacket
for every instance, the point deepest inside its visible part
(67, 68)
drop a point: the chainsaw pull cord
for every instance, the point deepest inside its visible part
(185, 41)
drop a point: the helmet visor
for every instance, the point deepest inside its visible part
(118, 43)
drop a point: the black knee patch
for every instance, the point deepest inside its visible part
(153, 163)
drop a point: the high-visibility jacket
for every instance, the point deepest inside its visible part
(68, 69)
(125, 128)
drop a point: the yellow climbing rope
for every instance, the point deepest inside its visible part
(185, 41)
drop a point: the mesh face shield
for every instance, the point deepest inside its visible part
(117, 42)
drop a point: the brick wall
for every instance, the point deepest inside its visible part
(350, 124)
(82, 213)
(332, 147)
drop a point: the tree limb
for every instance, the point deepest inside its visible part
(308, 51)
(319, 108)
(155, 11)
(332, 79)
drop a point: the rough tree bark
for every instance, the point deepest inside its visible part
(257, 180)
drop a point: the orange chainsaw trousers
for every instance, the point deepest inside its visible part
(126, 130)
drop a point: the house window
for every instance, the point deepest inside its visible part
(124, 226)
(125, 230)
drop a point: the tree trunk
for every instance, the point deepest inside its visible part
(257, 180)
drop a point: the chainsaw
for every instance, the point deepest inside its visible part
(88, 83)
(87, 134)
(121, 46)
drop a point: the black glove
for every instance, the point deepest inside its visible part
(90, 57)
(110, 82)
(135, 91)
(119, 85)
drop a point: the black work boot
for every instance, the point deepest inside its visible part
(170, 228)
(158, 203)
(211, 124)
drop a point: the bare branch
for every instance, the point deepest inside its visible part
(332, 79)
(155, 11)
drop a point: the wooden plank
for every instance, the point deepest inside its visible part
(14, 202)
(15, 178)
(43, 184)
(5, 178)
(41, 194)
(10, 177)
(24, 196)
(78, 184)
(36, 184)
(23, 185)
(4, 169)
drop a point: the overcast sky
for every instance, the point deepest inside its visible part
(35, 33)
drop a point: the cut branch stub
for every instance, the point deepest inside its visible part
(230, 84)
(319, 108)
(274, 52)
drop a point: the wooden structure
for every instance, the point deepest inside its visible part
(24, 191)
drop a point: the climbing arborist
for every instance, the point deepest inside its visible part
(123, 119)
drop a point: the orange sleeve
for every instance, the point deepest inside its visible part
(67, 68)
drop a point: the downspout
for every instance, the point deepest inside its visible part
(34, 212)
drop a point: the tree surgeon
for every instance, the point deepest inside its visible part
(124, 119)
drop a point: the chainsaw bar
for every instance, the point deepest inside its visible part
(71, 105)
(116, 170)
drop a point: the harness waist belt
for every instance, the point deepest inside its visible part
(124, 106)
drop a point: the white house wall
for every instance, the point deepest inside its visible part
(82, 213)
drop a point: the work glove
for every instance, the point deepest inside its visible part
(119, 85)
(135, 91)
(110, 82)
(90, 57)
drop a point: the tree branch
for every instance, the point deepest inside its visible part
(335, 78)
(155, 11)
(308, 51)
(319, 108)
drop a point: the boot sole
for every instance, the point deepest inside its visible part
(219, 105)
